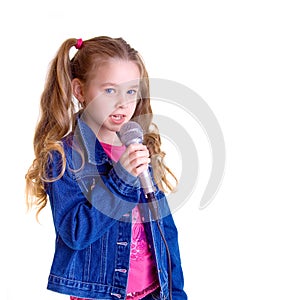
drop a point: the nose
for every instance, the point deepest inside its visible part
(122, 102)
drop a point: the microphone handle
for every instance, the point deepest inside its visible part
(152, 202)
(146, 182)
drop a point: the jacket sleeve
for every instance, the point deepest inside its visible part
(171, 235)
(80, 221)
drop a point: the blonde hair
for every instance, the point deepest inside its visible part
(58, 112)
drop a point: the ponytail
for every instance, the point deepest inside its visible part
(56, 115)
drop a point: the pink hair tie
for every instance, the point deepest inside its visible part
(79, 44)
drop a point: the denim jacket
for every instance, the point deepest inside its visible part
(91, 207)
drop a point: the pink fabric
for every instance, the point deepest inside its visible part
(114, 152)
(79, 44)
(142, 275)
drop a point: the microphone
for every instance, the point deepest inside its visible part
(132, 133)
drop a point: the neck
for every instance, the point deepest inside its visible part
(107, 137)
(111, 140)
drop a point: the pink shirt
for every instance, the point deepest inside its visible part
(142, 276)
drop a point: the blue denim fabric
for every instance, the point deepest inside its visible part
(91, 206)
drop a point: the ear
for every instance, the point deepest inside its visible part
(77, 88)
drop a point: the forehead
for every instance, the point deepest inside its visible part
(118, 72)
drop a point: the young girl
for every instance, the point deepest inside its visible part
(109, 244)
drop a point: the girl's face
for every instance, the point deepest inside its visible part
(109, 98)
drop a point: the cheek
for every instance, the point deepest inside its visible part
(100, 109)
(132, 105)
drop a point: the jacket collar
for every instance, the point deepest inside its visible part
(94, 150)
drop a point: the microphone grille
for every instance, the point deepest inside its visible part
(131, 133)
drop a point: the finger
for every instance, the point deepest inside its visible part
(139, 169)
(138, 154)
(136, 147)
(139, 162)
(136, 166)
(135, 159)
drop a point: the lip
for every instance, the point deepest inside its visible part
(117, 118)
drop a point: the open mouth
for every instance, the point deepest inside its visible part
(117, 117)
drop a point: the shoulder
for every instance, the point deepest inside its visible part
(61, 152)
(73, 151)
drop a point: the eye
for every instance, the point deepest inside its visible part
(110, 91)
(131, 92)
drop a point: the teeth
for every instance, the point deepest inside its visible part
(117, 117)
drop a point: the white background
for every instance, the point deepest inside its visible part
(243, 59)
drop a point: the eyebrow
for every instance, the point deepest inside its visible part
(108, 83)
(114, 84)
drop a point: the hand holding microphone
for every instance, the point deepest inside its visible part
(135, 159)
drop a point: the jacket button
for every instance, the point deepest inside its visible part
(122, 243)
(121, 270)
(116, 295)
